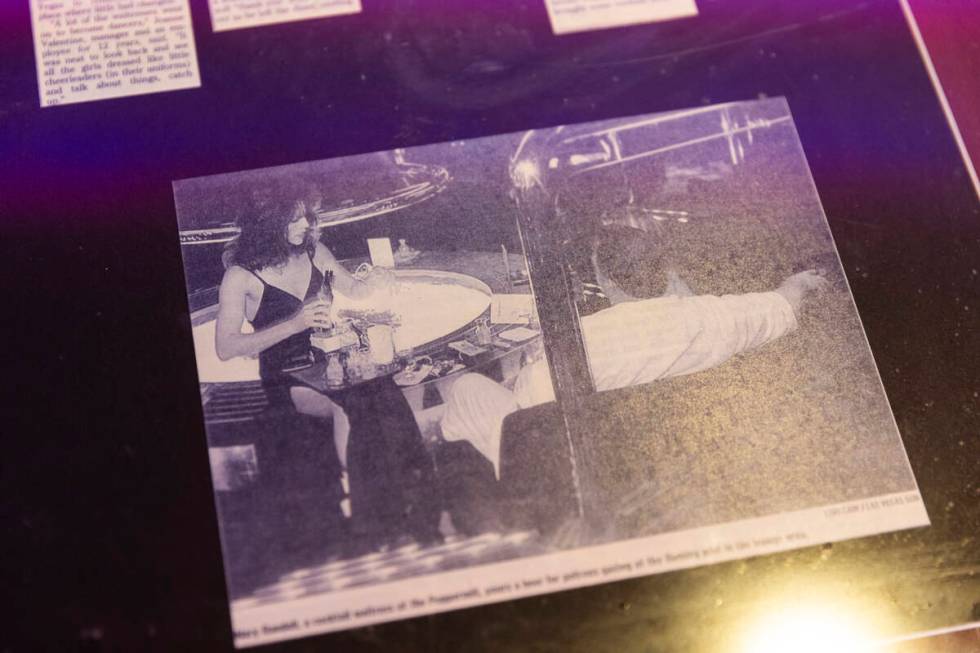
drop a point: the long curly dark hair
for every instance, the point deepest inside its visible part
(262, 242)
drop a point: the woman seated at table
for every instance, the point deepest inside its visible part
(275, 269)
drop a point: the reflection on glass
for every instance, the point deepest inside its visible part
(806, 629)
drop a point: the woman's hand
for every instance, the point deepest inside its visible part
(314, 315)
(380, 279)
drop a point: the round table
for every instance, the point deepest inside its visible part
(502, 359)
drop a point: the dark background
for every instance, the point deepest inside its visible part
(109, 527)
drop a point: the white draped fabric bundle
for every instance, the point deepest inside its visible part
(628, 344)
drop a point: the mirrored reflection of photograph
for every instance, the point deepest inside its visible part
(397, 426)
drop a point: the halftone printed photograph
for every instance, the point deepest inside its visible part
(463, 373)
(718, 366)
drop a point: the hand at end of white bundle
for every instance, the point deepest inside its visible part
(798, 285)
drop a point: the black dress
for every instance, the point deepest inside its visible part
(392, 480)
(275, 306)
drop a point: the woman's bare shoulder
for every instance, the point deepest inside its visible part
(237, 277)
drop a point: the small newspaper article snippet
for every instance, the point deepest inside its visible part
(568, 16)
(238, 14)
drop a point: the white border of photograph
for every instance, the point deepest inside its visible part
(255, 624)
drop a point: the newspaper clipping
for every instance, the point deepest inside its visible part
(113, 48)
(237, 14)
(568, 16)
(469, 372)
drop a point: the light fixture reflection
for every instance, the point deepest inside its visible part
(526, 174)
(806, 630)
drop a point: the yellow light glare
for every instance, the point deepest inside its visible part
(527, 173)
(806, 630)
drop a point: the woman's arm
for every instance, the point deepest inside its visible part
(229, 341)
(343, 280)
